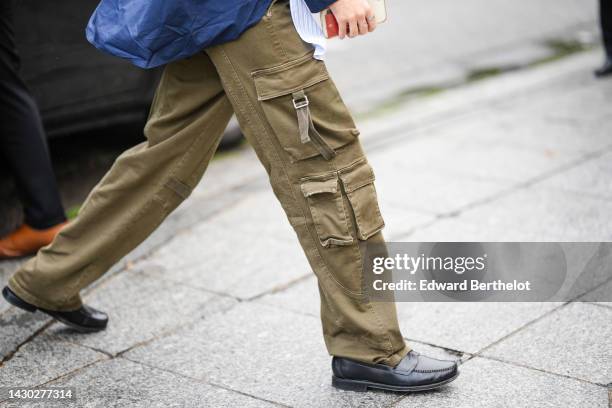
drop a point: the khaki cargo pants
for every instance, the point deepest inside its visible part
(292, 114)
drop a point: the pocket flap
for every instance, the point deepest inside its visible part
(289, 77)
(312, 187)
(357, 176)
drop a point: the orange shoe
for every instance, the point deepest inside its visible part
(26, 240)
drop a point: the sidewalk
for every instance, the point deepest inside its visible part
(200, 318)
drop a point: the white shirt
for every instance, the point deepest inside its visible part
(308, 27)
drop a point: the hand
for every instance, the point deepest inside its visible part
(355, 17)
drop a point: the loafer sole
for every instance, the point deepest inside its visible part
(361, 386)
(23, 305)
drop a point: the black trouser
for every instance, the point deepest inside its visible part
(605, 14)
(22, 139)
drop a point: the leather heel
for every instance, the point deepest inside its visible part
(348, 385)
(16, 301)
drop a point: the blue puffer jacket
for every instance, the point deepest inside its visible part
(150, 33)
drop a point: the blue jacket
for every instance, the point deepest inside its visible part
(150, 33)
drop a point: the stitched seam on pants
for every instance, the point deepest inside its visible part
(172, 173)
(272, 31)
(262, 124)
(177, 186)
(380, 325)
(368, 302)
(239, 106)
(178, 166)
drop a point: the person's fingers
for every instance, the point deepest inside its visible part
(342, 25)
(362, 24)
(353, 28)
(371, 22)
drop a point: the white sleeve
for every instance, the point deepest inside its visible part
(308, 27)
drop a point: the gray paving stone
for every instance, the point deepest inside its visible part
(16, 326)
(259, 350)
(530, 143)
(601, 295)
(258, 214)
(399, 221)
(563, 118)
(458, 229)
(432, 192)
(487, 383)
(467, 327)
(594, 177)
(550, 136)
(588, 267)
(453, 150)
(546, 215)
(575, 101)
(498, 162)
(523, 216)
(140, 308)
(572, 341)
(44, 359)
(244, 271)
(302, 297)
(229, 170)
(122, 383)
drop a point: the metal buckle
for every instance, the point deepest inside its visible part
(301, 103)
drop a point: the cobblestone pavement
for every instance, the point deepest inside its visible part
(219, 307)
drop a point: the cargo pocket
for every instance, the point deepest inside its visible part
(304, 108)
(358, 182)
(328, 213)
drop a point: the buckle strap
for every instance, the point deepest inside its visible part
(301, 103)
(306, 128)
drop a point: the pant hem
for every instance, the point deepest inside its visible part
(23, 293)
(395, 358)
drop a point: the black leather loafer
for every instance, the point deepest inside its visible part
(85, 319)
(414, 373)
